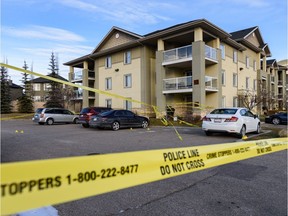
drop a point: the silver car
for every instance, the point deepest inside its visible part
(54, 115)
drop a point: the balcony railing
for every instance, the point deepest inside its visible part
(78, 94)
(178, 83)
(211, 83)
(78, 75)
(210, 53)
(185, 83)
(178, 53)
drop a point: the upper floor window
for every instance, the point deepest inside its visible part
(128, 104)
(108, 83)
(108, 62)
(37, 98)
(254, 65)
(235, 102)
(235, 79)
(127, 57)
(47, 86)
(36, 87)
(247, 62)
(223, 77)
(255, 84)
(235, 55)
(222, 48)
(127, 80)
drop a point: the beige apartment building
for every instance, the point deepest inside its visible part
(192, 67)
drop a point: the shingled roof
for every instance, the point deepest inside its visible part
(242, 33)
(43, 80)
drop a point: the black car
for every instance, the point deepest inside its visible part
(277, 118)
(116, 119)
(87, 112)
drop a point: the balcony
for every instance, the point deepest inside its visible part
(184, 54)
(78, 76)
(184, 84)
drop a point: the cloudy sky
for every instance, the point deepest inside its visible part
(32, 29)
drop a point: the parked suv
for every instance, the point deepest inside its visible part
(54, 115)
(86, 113)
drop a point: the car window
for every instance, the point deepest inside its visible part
(224, 111)
(49, 111)
(39, 110)
(58, 111)
(119, 113)
(250, 114)
(106, 113)
(67, 112)
(243, 112)
(128, 113)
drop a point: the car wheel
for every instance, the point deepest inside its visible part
(242, 132)
(115, 126)
(208, 133)
(85, 125)
(41, 123)
(145, 124)
(276, 121)
(50, 121)
(258, 128)
(75, 121)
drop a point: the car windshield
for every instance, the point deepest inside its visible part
(224, 111)
(84, 111)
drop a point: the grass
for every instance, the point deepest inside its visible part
(8, 116)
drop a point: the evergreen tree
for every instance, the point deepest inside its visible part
(6, 106)
(55, 96)
(25, 103)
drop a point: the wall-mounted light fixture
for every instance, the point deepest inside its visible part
(117, 69)
(240, 68)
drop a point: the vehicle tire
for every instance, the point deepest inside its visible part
(144, 124)
(276, 121)
(208, 133)
(258, 129)
(50, 121)
(75, 121)
(115, 126)
(41, 123)
(242, 132)
(85, 125)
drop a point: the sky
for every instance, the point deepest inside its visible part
(32, 29)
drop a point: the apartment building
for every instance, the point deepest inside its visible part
(191, 66)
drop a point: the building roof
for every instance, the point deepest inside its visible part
(271, 62)
(241, 34)
(13, 85)
(43, 80)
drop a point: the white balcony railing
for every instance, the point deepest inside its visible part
(78, 75)
(177, 83)
(182, 83)
(78, 94)
(211, 83)
(210, 53)
(178, 53)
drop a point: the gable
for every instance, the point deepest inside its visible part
(253, 39)
(114, 38)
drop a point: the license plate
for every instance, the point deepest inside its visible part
(217, 120)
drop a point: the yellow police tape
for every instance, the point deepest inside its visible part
(33, 184)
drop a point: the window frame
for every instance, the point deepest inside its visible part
(108, 62)
(247, 61)
(36, 87)
(222, 48)
(223, 77)
(235, 56)
(126, 81)
(126, 59)
(235, 82)
(108, 83)
(108, 103)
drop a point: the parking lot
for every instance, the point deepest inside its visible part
(256, 186)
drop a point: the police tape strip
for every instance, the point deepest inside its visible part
(33, 184)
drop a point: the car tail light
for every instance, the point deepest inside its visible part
(206, 119)
(232, 119)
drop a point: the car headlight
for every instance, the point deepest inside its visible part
(94, 119)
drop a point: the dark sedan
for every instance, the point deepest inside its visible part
(116, 119)
(277, 118)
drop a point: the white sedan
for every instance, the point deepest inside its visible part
(235, 120)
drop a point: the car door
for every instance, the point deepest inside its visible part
(58, 115)
(250, 121)
(67, 116)
(121, 118)
(131, 118)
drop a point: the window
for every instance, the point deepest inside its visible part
(255, 84)
(235, 80)
(247, 82)
(223, 101)
(108, 62)
(47, 86)
(108, 103)
(235, 56)
(128, 104)
(247, 62)
(37, 98)
(223, 77)
(222, 48)
(254, 65)
(108, 83)
(127, 57)
(128, 81)
(235, 102)
(36, 86)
